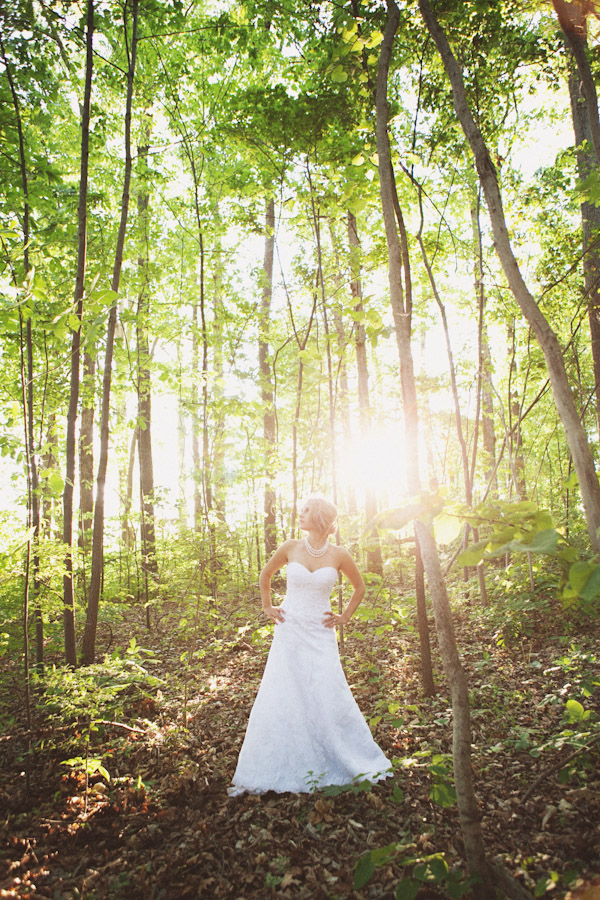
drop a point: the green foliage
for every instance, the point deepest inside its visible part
(432, 869)
(100, 691)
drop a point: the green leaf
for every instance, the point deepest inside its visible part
(592, 586)
(542, 886)
(398, 794)
(349, 33)
(374, 41)
(56, 483)
(579, 574)
(407, 889)
(338, 75)
(399, 517)
(363, 871)
(443, 794)
(543, 542)
(473, 555)
(447, 528)
(575, 712)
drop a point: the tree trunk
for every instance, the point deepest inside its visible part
(49, 463)
(33, 559)
(572, 18)
(374, 561)
(422, 624)
(144, 385)
(195, 398)
(219, 411)
(342, 341)
(590, 227)
(398, 268)
(266, 385)
(330, 378)
(548, 341)
(517, 460)
(68, 587)
(485, 357)
(89, 639)
(86, 455)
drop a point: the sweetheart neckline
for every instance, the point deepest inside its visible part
(311, 571)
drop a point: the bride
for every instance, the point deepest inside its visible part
(305, 730)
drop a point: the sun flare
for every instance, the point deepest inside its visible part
(375, 463)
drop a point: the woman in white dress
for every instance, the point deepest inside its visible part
(305, 730)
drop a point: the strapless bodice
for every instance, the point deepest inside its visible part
(309, 592)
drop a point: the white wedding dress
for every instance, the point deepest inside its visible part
(305, 730)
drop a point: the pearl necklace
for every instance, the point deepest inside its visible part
(312, 550)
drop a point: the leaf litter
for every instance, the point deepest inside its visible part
(162, 827)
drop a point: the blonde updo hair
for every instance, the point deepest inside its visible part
(322, 513)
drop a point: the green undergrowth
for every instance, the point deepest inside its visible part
(159, 719)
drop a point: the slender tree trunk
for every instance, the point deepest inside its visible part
(33, 559)
(342, 341)
(398, 267)
(547, 339)
(68, 586)
(295, 425)
(464, 455)
(89, 639)
(590, 227)
(219, 412)
(144, 386)
(468, 471)
(206, 466)
(422, 624)
(374, 561)
(517, 460)
(86, 454)
(301, 342)
(127, 531)
(572, 18)
(485, 357)
(30, 541)
(330, 378)
(196, 461)
(49, 463)
(181, 447)
(266, 385)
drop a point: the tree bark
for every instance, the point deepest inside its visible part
(590, 226)
(89, 639)
(547, 339)
(485, 357)
(374, 560)
(144, 385)
(33, 558)
(422, 624)
(86, 454)
(196, 461)
(517, 460)
(572, 18)
(266, 385)
(461, 746)
(68, 587)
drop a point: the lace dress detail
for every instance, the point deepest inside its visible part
(305, 730)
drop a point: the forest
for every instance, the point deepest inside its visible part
(252, 251)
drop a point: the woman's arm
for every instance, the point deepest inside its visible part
(350, 570)
(277, 561)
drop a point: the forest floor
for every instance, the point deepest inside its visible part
(152, 819)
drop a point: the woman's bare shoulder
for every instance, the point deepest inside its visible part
(342, 551)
